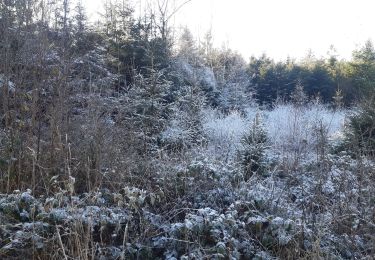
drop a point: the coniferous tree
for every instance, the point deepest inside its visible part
(298, 96)
(363, 69)
(252, 151)
(148, 109)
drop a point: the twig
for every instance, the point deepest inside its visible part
(61, 243)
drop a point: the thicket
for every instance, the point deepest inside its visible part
(118, 141)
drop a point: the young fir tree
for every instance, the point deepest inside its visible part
(252, 151)
(81, 43)
(148, 109)
(189, 114)
(360, 133)
(298, 96)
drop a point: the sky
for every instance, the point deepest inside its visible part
(279, 28)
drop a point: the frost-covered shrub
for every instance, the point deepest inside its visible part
(292, 130)
(175, 137)
(294, 133)
(224, 132)
(206, 232)
(19, 206)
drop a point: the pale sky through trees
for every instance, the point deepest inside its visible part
(279, 28)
